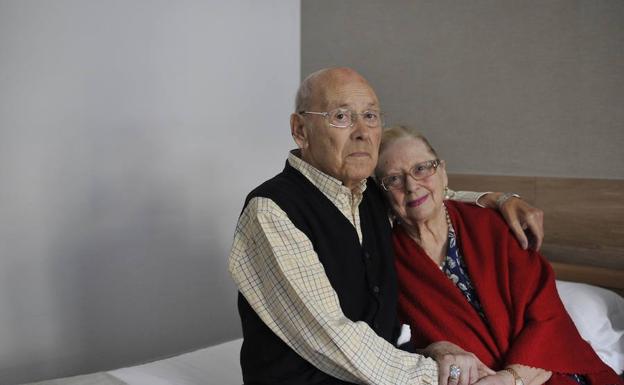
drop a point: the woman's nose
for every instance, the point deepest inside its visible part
(411, 184)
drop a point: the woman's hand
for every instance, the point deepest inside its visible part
(447, 354)
(529, 376)
(499, 378)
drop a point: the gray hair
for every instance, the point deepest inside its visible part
(394, 133)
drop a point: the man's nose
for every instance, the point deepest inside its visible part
(360, 129)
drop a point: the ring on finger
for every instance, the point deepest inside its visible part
(454, 372)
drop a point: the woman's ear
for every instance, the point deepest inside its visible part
(297, 130)
(442, 171)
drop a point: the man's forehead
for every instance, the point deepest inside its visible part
(342, 90)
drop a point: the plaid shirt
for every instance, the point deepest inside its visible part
(278, 272)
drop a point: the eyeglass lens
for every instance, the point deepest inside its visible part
(344, 118)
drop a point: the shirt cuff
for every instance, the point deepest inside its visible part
(467, 196)
(425, 373)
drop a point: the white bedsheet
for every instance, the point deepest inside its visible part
(599, 317)
(87, 379)
(216, 365)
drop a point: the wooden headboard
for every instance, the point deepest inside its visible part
(584, 222)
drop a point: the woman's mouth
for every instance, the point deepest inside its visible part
(417, 202)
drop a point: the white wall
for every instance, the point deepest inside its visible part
(130, 132)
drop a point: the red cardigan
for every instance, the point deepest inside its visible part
(526, 321)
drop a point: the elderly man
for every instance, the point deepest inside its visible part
(312, 256)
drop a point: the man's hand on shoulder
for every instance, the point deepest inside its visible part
(526, 222)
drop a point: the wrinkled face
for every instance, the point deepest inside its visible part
(419, 200)
(348, 154)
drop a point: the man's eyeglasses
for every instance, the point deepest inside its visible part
(418, 172)
(345, 118)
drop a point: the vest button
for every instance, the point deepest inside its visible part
(376, 289)
(367, 255)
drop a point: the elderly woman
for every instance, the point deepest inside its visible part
(464, 278)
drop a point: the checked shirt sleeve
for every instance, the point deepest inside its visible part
(466, 196)
(277, 271)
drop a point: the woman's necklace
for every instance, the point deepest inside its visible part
(450, 226)
(448, 218)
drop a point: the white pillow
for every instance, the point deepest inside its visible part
(599, 317)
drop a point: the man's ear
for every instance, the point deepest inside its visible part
(298, 132)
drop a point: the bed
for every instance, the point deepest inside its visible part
(584, 223)
(597, 312)
(214, 365)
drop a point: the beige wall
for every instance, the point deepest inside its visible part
(500, 87)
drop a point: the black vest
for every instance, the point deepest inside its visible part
(363, 276)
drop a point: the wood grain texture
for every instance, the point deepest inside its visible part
(584, 222)
(612, 279)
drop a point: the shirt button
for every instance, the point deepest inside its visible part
(376, 289)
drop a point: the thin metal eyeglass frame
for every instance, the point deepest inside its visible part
(326, 116)
(434, 166)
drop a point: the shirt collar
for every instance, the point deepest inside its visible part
(328, 185)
